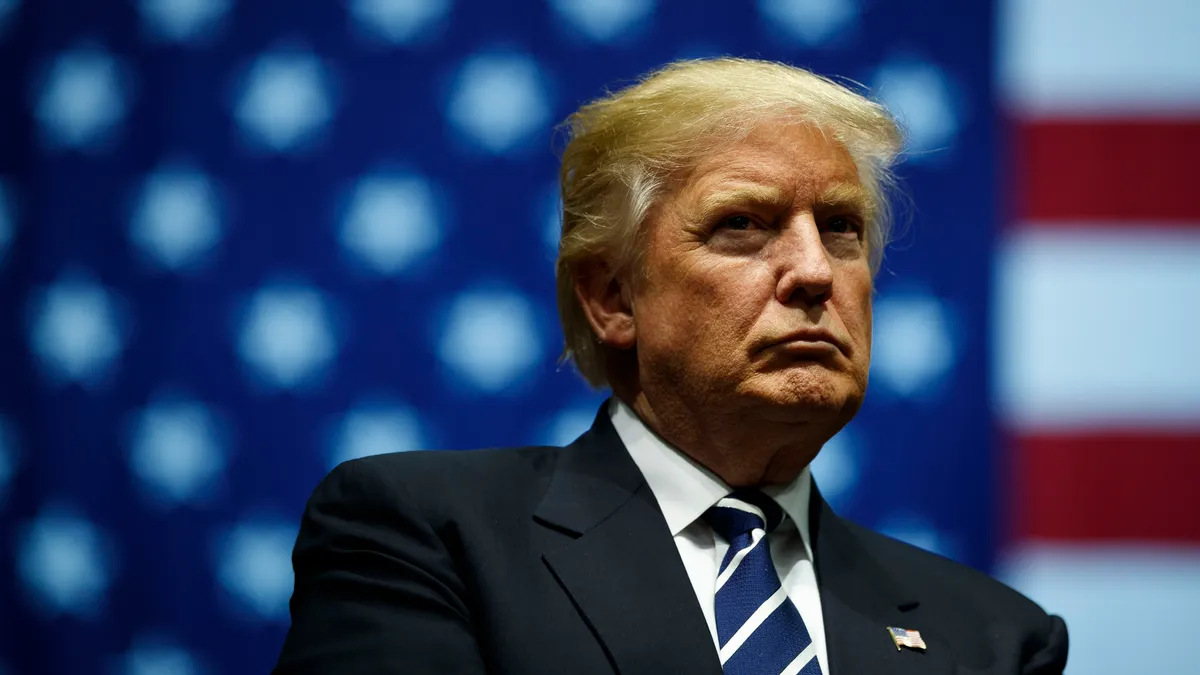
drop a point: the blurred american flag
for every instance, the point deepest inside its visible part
(1097, 322)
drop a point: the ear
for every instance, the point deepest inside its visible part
(607, 302)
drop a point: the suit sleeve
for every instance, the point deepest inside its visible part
(375, 588)
(1051, 658)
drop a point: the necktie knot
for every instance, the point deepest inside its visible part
(742, 512)
(759, 629)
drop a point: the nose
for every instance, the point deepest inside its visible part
(806, 272)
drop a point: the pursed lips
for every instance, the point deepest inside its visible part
(810, 339)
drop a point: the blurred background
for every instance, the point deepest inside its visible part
(242, 241)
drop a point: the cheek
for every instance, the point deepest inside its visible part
(729, 294)
(864, 316)
(856, 310)
(707, 306)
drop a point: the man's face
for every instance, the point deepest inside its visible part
(757, 287)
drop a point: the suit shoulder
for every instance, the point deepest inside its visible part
(940, 575)
(429, 464)
(445, 478)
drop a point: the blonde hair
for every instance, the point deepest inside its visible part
(623, 148)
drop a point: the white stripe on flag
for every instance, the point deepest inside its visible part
(1098, 328)
(1128, 610)
(1083, 58)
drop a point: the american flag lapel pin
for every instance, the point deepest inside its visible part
(904, 637)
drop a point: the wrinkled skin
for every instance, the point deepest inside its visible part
(762, 241)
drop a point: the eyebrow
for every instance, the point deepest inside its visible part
(851, 196)
(746, 194)
(848, 196)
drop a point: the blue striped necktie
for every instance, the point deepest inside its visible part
(759, 629)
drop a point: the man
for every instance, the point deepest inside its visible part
(722, 223)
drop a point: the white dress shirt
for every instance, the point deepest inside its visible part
(685, 490)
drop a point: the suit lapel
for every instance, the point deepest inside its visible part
(860, 599)
(622, 568)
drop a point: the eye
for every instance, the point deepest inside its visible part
(843, 225)
(738, 222)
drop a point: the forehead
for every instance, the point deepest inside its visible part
(793, 160)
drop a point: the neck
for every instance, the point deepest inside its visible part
(740, 445)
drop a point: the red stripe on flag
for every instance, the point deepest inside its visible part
(1137, 486)
(1107, 171)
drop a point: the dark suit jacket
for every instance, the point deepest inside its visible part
(543, 561)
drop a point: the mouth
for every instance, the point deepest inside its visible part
(812, 343)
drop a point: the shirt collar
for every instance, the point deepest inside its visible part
(684, 489)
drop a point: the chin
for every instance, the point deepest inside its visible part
(810, 394)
